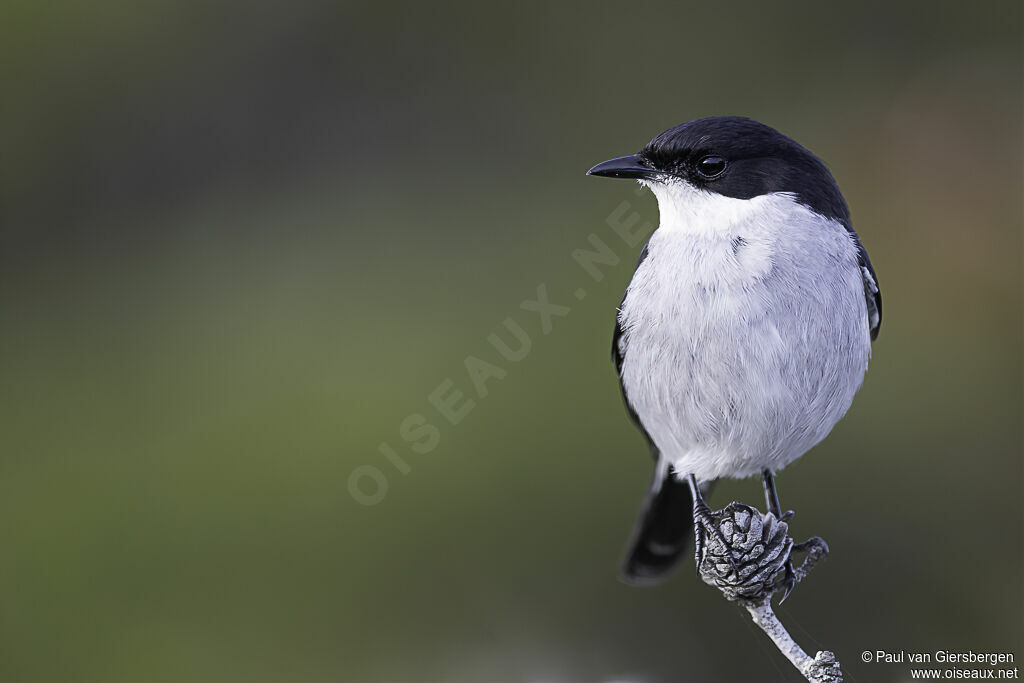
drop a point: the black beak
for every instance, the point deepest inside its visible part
(624, 167)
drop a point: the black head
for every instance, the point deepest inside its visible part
(736, 157)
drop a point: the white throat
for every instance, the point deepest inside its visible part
(684, 208)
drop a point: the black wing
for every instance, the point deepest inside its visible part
(872, 292)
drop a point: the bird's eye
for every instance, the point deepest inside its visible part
(711, 166)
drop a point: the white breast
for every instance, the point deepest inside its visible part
(745, 331)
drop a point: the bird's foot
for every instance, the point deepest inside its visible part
(789, 576)
(816, 549)
(705, 523)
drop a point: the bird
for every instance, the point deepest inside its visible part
(746, 328)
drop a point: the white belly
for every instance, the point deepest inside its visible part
(746, 341)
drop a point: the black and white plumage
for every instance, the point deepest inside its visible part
(747, 327)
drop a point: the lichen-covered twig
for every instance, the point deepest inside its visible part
(759, 546)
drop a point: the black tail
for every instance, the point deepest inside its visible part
(663, 531)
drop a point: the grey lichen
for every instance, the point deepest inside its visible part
(747, 563)
(824, 668)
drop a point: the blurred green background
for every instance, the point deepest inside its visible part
(242, 242)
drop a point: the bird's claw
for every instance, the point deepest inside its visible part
(788, 580)
(703, 522)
